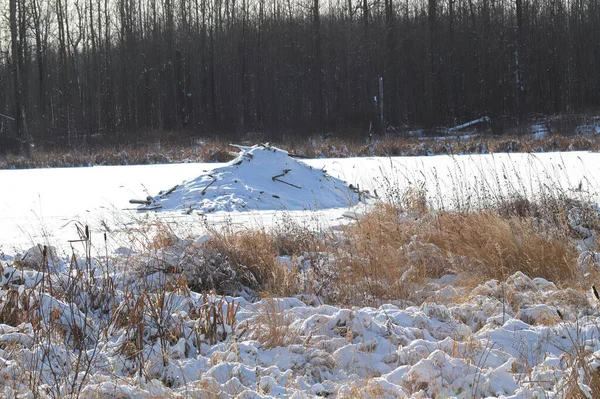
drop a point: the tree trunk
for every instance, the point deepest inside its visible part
(17, 62)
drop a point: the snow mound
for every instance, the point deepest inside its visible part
(260, 178)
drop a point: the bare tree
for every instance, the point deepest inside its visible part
(125, 68)
(17, 34)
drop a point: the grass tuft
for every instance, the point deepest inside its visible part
(497, 247)
(271, 326)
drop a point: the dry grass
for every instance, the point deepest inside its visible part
(271, 326)
(154, 152)
(369, 389)
(555, 211)
(140, 154)
(253, 254)
(374, 257)
(498, 247)
(294, 239)
(16, 308)
(385, 255)
(206, 388)
(580, 371)
(394, 249)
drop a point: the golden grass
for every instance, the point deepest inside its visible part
(394, 249)
(369, 389)
(373, 256)
(271, 325)
(498, 247)
(580, 370)
(255, 253)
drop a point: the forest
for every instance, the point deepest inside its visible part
(125, 69)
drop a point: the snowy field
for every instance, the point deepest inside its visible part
(101, 330)
(41, 205)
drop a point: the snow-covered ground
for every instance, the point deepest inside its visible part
(95, 326)
(42, 205)
(462, 343)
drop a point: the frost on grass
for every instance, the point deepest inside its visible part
(133, 325)
(107, 335)
(400, 304)
(259, 178)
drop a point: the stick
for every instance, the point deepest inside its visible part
(295, 155)
(209, 184)
(285, 172)
(240, 147)
(150, 208)
(289, 184)
(139, 202)
(172, 189)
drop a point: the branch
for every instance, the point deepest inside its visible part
(7, 117)
(285, 172)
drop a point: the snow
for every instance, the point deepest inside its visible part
(539, 131)
(98, 321)
(331, 351)
(41, 206)
(259, 178)
(591, 128)
(484, 119)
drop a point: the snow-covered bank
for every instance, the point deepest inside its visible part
(116, 335)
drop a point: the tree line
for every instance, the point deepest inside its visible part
(124, 68)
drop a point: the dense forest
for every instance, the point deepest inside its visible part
(124, 68)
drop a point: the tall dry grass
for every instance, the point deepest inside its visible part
(394, 249)
(373, 258)
(253, 254)
(273, 325)
(497, 247)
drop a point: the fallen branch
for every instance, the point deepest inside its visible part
(147, 204)
(141, 202)
(150, 208)
(209, 184)
(289, 184)
(170, 191)
(285, 172)
(296, 155)
(362, 194)
(7, 117)
(240, 147)
(469, 124)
